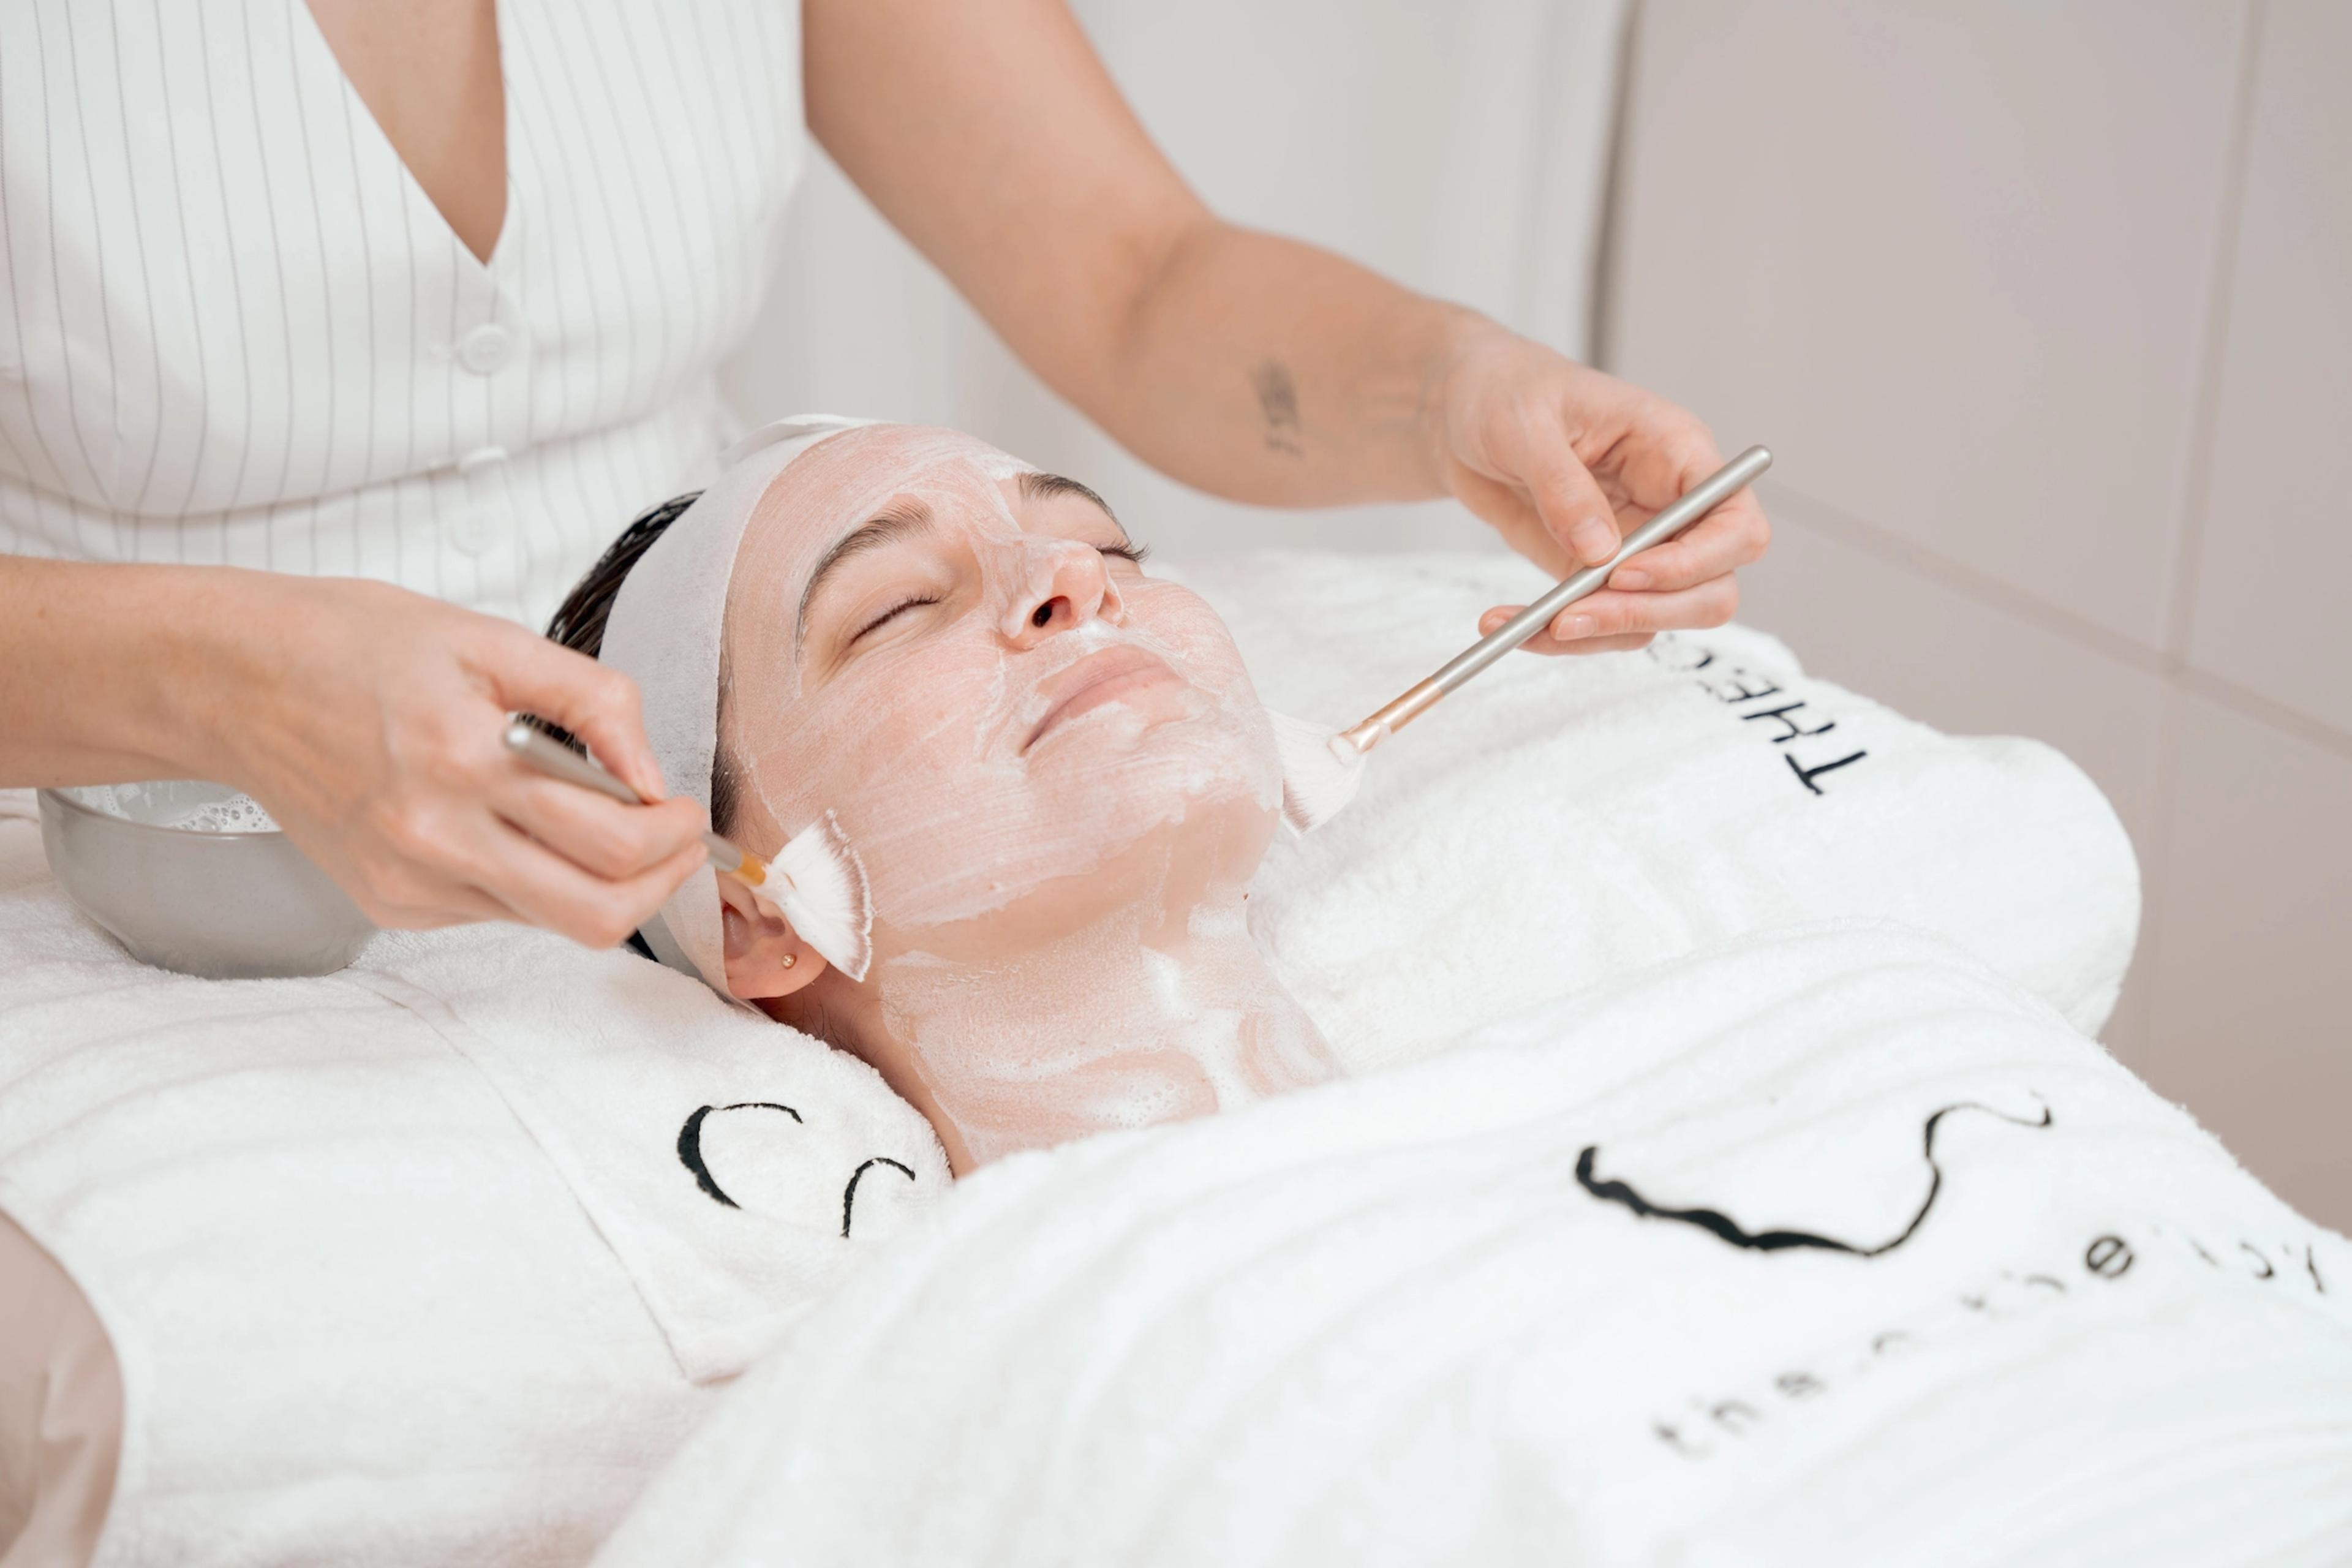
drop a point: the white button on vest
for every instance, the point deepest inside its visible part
(480, 461)
(486, 350)
(473, 530)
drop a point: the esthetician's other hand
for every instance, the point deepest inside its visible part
(369, 720)
(1564, 461)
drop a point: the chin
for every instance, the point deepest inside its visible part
(1129, 817)
(1131, 778)
(1199, 796)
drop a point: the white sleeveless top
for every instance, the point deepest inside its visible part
(238, 332)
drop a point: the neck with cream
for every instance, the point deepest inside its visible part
(1139, 1014)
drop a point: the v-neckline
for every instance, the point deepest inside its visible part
(411, 186)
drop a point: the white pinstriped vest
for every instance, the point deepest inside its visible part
(237, 329)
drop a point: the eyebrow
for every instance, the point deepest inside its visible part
(1035, 486)
(899, 520)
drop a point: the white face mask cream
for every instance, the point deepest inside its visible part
(973, 753)
(188, 805)
(1053, 768)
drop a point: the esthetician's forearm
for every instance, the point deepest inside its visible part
(1268, 371)
(1253, 366)
(103, 668)
(365, 718)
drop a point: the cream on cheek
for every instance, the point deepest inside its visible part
(792, 750)
(1039, 927)
(1042, 963)
(955, 821)
(916, 745)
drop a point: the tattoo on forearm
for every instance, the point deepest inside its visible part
(1277, 398)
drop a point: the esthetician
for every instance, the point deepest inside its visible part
(342, 336)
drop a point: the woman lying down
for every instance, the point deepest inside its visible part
(1819, 1247)
(1051, 768)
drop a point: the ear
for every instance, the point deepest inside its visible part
(765, 957)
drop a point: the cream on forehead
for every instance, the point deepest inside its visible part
(843, 480)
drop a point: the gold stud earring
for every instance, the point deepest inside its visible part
(791, 959)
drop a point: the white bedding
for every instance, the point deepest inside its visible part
(411, 1255)
(1560, 822)
(406, 1265)
(1416, 1318)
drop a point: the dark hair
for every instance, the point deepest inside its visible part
(579, 624)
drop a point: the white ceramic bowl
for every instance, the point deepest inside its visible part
(222, 905)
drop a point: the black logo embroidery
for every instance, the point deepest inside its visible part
(689, 1143)
(1723, 1228)
(849, 1193)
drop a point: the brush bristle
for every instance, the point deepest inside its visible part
(819, 884)
(1319, 771)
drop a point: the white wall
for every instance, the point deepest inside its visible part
(1460, 149)
(2045, 311)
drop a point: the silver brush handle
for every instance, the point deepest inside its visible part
(1694, 503)
(558, 761)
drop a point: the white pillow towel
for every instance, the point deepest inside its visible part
(1562, 822)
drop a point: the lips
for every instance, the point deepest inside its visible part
(1100, 678)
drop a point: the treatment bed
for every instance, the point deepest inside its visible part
(445, 1258)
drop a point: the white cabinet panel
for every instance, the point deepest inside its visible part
(2274, 600)
(1952, 260)
(2246, 1015)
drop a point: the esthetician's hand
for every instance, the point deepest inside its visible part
(368, 720)
(1564, 461)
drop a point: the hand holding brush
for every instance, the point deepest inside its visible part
(1322, 769)
(815, 878)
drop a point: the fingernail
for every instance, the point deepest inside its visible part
(1568, 628)
(1630, 579)
(1594, 539)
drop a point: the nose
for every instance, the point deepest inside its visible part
(1064, 585)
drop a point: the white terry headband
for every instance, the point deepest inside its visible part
(665, 633)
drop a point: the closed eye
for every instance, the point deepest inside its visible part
(1133, 554)
(893, 613)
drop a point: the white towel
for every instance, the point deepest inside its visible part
(448, 1184)
(405, 1265)
(736, 1167)
(1943, 1284)
(1559, 822)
